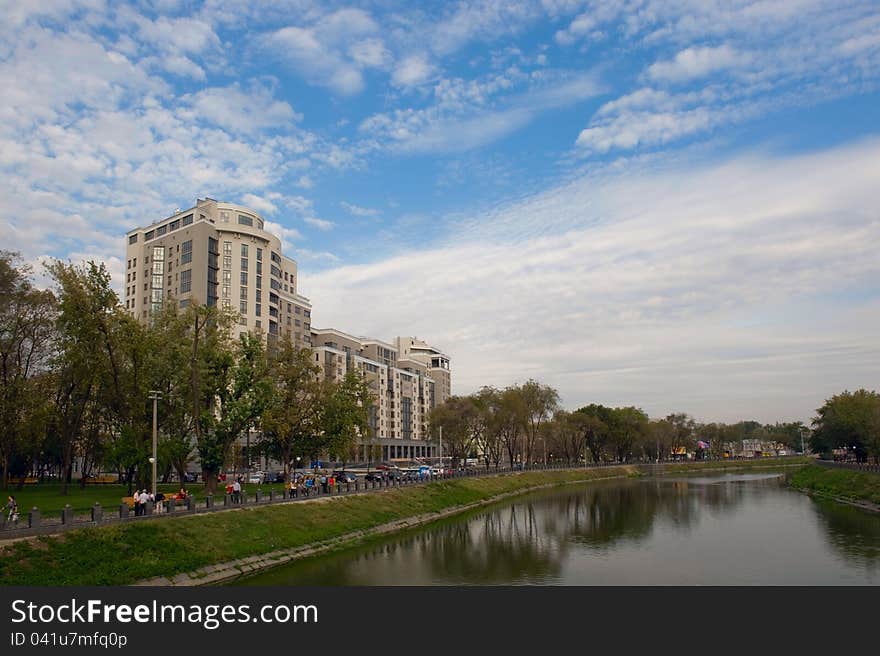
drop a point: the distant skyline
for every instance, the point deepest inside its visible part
(672, 205)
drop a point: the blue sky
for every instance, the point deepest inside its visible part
(668, 204)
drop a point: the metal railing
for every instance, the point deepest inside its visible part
(34, 522)
(855, 466)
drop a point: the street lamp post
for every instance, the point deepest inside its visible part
(155, 396)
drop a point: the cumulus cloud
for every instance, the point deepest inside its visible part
(698, 62)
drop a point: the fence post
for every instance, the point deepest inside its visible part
(34, 518)
(190, 503)
(171, 504)
(271, 495)
(226, 499)
(209, 501)
(97, 513)
(259, 496)
(149, 508)
(124, 510)
(67, 514)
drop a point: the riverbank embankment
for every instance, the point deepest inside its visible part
(855, 488)
(200, 549)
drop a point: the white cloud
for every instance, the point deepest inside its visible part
(412, 71)
(333, 50)
(698, 62)
(470, 114)
(356, 210)
(241, 111)
(320, 224)
(707, 289)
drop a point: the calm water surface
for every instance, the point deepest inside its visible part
(733, 529)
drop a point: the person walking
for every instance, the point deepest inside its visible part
(236, 491)
(12, 506)
(143, 498)
(323, 483)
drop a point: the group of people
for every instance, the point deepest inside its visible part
(143, 497)
(234, 489)
(305, 484)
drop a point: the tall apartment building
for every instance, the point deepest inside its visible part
(219, 254)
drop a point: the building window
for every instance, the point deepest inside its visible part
(258, 324)
(227, 248)
(133, 239)
(244, 264)
(243, 275)
(259, 254)
(227, 261)
(187, 255)
(296, 309)
(259, 282)
(226, 304)
(244, 250)
(188, 219)
(226, 291)
(259, 267)
(161, 230)
(224, 217)
(258, 309)
(245, 220)
(242, 307)
(242, 292)
(149, 235)
(174, 225)
(186, 281)
(184, 303)
(227, 276)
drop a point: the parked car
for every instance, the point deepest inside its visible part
(374, 476)
(256, 477)
(344, 477)
(190, 477)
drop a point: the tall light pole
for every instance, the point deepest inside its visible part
(440, 450)
(155, 395)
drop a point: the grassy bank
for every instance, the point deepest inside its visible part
(121, 554)
(838, 483)
(761, 463)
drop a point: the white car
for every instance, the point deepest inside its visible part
(255, 477)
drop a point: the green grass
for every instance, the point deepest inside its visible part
(841, 483)
(761, 463)
(48, 498)
(122, 554)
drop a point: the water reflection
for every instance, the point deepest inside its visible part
(746, 529)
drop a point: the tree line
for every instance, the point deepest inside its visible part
(77, 370)
(526, 424)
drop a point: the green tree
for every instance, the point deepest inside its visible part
(849, 420)
(27, 322)
(539, 402)
(294, 413)
(346, 415)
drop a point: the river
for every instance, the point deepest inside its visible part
(729, 529)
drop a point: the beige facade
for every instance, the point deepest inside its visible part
(435, 361)
(404, 390)
(219, 254)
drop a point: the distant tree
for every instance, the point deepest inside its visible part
(849, 420)
(459, 418)
(346, 415)
(593, 423)
(539, 402)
